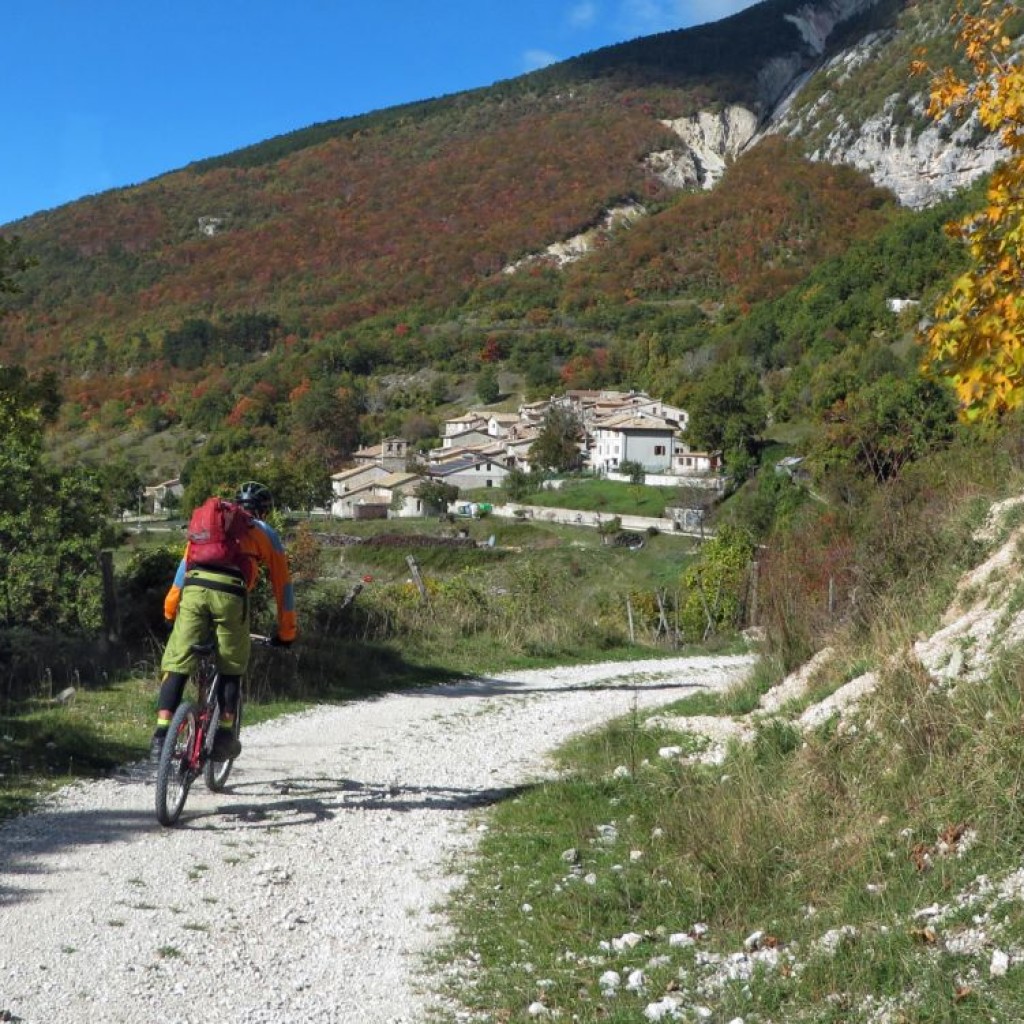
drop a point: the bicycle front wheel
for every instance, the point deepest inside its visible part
(175, 771)
(216, 773)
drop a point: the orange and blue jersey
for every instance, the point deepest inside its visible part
(262, 546)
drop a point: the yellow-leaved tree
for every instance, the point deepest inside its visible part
(977, 339)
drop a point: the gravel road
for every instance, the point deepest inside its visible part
(309, 890)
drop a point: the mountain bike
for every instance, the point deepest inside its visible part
(188, 747)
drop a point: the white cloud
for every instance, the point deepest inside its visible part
(534, 59)
(582, 15)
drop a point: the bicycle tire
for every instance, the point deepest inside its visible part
(173, 778)
(216, 773)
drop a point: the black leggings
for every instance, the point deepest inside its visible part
(173, 688)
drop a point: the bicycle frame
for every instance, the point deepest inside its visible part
(207, 677)
(188, 750)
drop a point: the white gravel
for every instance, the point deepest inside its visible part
(309, 891)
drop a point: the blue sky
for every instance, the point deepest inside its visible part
(99, 94)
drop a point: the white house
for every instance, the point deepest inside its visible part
(439, 456)
(350, 481)
(647, 406)
(501, 424)
(532, 413)
(158, 494)
(391, 454)
(517, 451)
(686, 462)
(467, 421)
(466, 438)
(648, 440)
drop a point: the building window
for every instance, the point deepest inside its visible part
(659, 449)
(490, 483)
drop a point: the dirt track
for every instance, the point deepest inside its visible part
(309, 890)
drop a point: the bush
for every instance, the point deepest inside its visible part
(142, 586)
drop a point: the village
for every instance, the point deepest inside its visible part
(620, 431)
(479, 449)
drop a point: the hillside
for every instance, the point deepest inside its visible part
(380, 243)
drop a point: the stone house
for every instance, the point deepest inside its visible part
(380, 490)
(391, 454)
(471, 471)
(686, 462)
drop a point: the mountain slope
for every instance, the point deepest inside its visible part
(357, 244)
(861, 107)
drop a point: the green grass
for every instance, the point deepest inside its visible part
(828, 844)
(659, 563)
(609, 497)
(740, 699)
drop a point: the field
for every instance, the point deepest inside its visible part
(609, 497)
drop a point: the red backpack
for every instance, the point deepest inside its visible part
(215, 534)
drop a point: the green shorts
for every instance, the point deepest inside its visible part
(205, 613)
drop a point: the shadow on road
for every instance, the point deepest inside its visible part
(287, 803)
(27, 845)
(489, 686)
(26, 841)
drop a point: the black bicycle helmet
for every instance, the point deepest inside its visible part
(255, 498)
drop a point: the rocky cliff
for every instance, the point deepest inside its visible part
(917, 159)
(857, 106)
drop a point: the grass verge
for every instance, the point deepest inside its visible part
(865, 873)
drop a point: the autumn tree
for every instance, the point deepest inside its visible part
(637, 477)
(52, 523)
(328, 415)
(877, 430)
(517, 484)
(977, 339)
(121, 485)
(716, 584)
(436, 494)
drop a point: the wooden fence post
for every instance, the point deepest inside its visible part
(111, 618)
(755, 576)
(416, 577)
(351, 596)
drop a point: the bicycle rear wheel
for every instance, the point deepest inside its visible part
(175, 772)
(215, 773)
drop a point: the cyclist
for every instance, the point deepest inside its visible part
(214, 599)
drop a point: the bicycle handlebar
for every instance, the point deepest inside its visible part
(268, 641)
